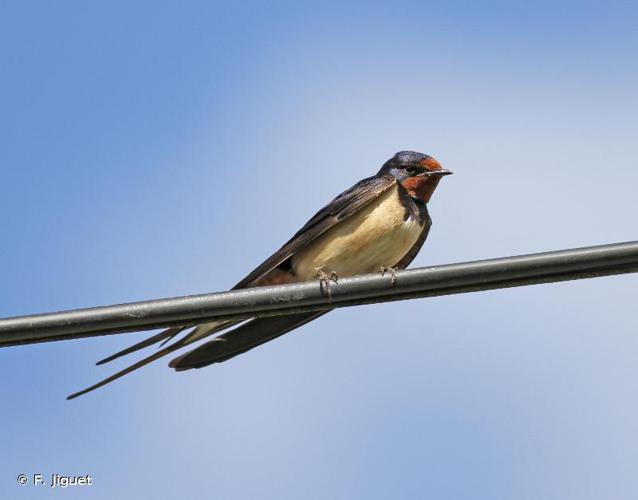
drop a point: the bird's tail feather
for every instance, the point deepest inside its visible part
(198, 333)
(164, 336)
(133, 367)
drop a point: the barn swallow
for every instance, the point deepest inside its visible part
(380, 223)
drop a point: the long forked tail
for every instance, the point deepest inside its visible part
(245, 337)
(139, 364)
(199, 332)
(163, 336)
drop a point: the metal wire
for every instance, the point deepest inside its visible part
(548, 267)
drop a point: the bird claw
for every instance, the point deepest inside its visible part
(392, 271)
(324, 281)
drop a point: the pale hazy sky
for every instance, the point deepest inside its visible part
(158, 150)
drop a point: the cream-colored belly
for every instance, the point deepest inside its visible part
(377, 236)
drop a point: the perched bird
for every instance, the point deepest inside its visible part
(378, 224)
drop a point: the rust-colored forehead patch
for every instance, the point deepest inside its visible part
(430, 164)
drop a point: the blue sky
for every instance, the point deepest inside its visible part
(154, 150)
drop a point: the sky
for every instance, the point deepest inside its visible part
(153, 150)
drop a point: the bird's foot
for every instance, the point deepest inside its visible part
(325, 279)
(392, 271)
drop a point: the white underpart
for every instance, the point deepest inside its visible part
(378, 236)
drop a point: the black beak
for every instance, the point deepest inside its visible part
(439, 173)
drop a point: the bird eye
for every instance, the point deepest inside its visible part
(411, 170)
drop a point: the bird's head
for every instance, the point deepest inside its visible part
(418, 173)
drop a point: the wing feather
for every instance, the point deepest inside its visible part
(342, 207)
